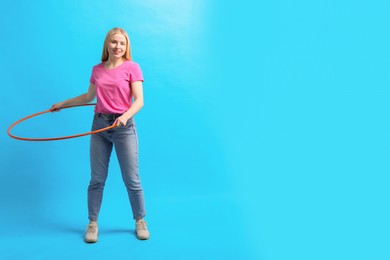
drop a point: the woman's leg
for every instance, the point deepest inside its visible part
(126, 146)
(100, 152)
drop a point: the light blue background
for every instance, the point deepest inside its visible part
(264, 133)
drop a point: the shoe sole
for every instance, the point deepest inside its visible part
(90, 241)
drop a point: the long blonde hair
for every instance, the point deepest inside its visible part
(113, 31)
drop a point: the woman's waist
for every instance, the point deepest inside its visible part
(108, 116)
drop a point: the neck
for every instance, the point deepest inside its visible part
(114, 62)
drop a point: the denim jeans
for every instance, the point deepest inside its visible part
(125, 141)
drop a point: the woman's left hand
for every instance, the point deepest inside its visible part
(121, 121)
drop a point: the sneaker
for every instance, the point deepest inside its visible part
(141, 230)
(91, 235)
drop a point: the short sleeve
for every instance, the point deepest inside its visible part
(135, 73)
(92, 79)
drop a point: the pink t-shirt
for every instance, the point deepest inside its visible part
(113, 86)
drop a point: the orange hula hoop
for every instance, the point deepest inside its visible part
(55, 138)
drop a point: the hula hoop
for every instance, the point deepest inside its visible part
(55, 138)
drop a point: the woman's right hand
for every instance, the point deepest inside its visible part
(56, 107)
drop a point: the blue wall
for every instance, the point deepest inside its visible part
(264, 133)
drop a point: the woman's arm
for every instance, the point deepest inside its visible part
(82, 99)
(137, 90)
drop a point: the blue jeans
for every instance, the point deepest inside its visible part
(125, 141)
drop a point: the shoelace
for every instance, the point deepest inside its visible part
(91, 229)
(141, 224)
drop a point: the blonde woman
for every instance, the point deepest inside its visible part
(116, 82)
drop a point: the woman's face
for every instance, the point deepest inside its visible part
(117, 46)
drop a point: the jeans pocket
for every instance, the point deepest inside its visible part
(131, 128)
(129, 123)
(99, 123)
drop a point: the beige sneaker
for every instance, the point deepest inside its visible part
(141, 230)
(91, 235)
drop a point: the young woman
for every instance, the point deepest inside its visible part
(115, 82)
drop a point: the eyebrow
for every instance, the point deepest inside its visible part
(118, 41)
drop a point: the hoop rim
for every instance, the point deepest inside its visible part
(55, 138)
